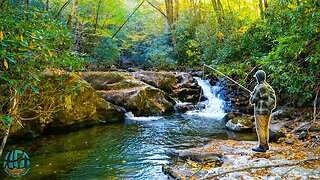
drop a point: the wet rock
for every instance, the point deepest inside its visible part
(276, 131)
(231, 115)
(165, 81)
(124, 89)
(307, 126)
(197, 74)
(203, 157)
(187, 89)
(240, 124)
(303, 135)
(184, 107)
(289, 142)
(282, 115)
(145, 100)
(186, 94)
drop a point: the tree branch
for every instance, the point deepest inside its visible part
(259, 167)
(158, 9)
(127, 19)
(12, 112)
(61, 9)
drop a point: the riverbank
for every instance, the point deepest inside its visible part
(296, 155)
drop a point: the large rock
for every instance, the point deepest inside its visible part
(129, 92)
(276, 130)
(187, 88)
(241, 124)
(282, 115)
(64, 100)
(165, 81)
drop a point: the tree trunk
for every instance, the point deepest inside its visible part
(217, 6)
(171, 20)
(97, 16)
(72, 14)
(176, 9)
(47, 5)
(261, 8)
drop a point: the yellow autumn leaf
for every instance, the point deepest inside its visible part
(1, 35)
(220, 35)
(5, 63)
(50, 54)
(68, 103)
(21, 38)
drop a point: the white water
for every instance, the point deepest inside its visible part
(213, 104)
(129, 115)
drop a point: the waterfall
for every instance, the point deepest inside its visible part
(213, 106)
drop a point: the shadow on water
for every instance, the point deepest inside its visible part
(133, 149)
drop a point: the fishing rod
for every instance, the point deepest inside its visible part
(227, 77)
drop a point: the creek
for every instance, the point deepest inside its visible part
(134, 149)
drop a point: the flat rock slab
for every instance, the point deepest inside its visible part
(240, 162)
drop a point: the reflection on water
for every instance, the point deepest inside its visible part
(134, 149)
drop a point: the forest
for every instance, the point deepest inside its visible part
(72, 37)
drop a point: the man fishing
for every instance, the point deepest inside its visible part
(263, 97)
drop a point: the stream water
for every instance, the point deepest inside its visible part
(134, 149)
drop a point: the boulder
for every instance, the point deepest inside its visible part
(131, 93)
(187, 88)
(231, 115)
(240, 124)
(65, 101)
(98, 80)
(165, 81)
(277, 131)
(145, 100)
(282, 115)
(203, 157)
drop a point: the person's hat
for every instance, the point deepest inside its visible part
(260, 75)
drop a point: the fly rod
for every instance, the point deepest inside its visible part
(227, 77)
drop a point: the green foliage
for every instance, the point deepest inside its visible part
(31, 42)
(105, 52)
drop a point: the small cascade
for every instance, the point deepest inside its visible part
(213, 106)
(129, 115)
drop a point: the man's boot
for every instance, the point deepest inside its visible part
(261, 148)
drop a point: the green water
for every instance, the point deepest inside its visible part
(129, 150)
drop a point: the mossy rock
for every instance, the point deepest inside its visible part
(145, 100)
(240, 124)
(98, 79)
(64, 100)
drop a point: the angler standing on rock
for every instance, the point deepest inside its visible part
(264, 99)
